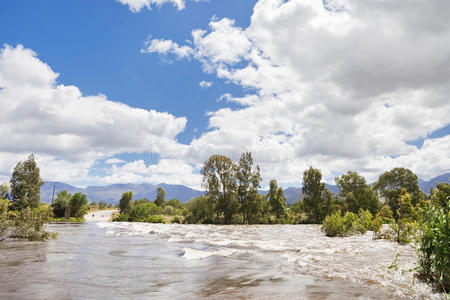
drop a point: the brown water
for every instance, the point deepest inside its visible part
(141, 261)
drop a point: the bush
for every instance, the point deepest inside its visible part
(155, 219)
(385, 215)
(201, 211)
(176, 220)
(122, 218)
(336, 225)
(169, 211)
(434, 245)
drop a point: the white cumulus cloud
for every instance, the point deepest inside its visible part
(341, 85)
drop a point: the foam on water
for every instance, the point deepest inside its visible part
(358, 259)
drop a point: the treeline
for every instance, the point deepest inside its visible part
(69, 206)
(232, 197)
(143, 210)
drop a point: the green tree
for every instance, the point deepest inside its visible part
(4, 191)
(318, 200)
(391, 183)
(125, 203)
(277, 200)
(160, 197)
(175, 203)
(357, 193)
(141, 201)
(26, 184)
(201, 211)
(249, 180)
(29, 223)
(257, 209)
(439, 196)
(4, 222)
(219, 182)
(77, 202)
(140, 212)
(61, 203)
(434, 243)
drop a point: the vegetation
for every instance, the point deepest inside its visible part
(357, 194)
(21, 213)
(143, 210)
(317, 203)
(350, 223)
(125, 203)
(160, 197)
(391, 183)
(26, 185)
(68, 207)
(434, 240)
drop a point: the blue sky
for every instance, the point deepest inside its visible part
(110, 90)
(95, 45)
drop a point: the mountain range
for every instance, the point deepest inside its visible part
(112, 193)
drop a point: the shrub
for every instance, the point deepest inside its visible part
(366, 219)
(385, 215)
(169, 211)
(334, 225)
(122, 218)
(155, 219)
(434, 245)
(176, 220)
(201, 211)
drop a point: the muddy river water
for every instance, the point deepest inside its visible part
(104, 260)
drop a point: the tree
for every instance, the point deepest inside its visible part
(125, 203)
(201, 211)
(277, 200)
(160, 197)
(26, 184)
(219, 182)
(77, 201)
(175, 203)
(357, 193)
(257, 209)
(4, 222)
(318, 199)
(439, 196)
(248, 182)
(390, 184)
(60, 204)
(4, 191)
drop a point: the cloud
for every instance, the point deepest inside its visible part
(323, 73)
(171, 171)
(113, 161)
(67, 131)
(244, 101)
(164, 47)
(137, 5)
(205, 84)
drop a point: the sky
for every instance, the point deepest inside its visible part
(133, 91)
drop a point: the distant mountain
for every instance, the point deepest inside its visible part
(426, 185)
(112, 193)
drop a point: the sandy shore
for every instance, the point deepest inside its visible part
(100, 215)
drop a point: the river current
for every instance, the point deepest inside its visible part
(107, 260)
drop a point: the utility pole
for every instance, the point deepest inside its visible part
(53, 194)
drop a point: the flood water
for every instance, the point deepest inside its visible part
(141, 261)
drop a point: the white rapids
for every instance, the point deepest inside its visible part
(357, 259)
